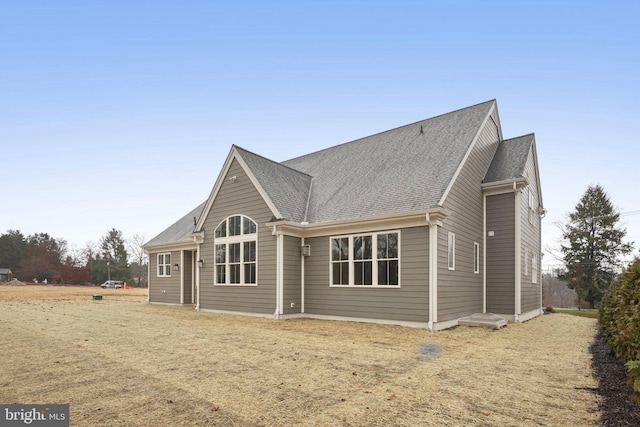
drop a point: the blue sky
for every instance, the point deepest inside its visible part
(120, 114)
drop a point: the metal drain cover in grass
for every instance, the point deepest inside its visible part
(429, 351)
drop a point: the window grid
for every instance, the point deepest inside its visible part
(365, 260)
(236, 251)
(164, 264)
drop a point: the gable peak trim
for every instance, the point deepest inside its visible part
(234, 154)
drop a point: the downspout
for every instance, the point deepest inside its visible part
(149, 280)
(484, 253)
(181, 277)
(433, 273)
(541, 215)
(279, 270)
(302, 257)
(518, 253)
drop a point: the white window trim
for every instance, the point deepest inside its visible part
(526, 261)
(166, 267)
(229, 240)
(476, 258)
(374, 260)
(534, 268)
(451, 251)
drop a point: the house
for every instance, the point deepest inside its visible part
(5, 275)
(421, 225)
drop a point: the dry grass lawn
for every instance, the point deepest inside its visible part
(122, 362)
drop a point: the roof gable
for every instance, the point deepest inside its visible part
(510, 159)
(287, 188)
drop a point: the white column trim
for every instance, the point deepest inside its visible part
(302, 259)
(484, 253)
(433, 275)
(181, 277)
(197, 287)
(518, 255)
(279, 273)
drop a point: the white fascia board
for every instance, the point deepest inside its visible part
(233, 154)
(357, 225)
(198, 237)
(505, 186)
(534, 153)
(172, 246)
(467, 154)
(258, 187)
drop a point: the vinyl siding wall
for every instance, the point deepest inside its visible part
(409, 303)
(530, 294)
(170, 285)
(500, 254)
(239, 197)
(292, 286)
(460, 292)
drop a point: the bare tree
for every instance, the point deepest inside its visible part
(556, 291)
(139, 258)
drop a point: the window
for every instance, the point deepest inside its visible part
(531, 208)
(451, 251)
(235, 251)
(365, 260)
(476, 258)
(526, 261)
(164, 265)
(340, 261)
(388, 259)
(534, 269)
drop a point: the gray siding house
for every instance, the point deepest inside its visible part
(421, 225)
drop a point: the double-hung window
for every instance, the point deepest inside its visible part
(235, 242)
(365, 260)
(164, 265)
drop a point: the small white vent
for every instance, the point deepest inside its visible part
(306, 250)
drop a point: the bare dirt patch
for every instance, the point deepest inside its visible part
(121, 361)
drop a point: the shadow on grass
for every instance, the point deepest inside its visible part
(592, 314)
(616, 405)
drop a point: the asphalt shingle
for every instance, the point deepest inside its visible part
(510, 159)
(179, 231)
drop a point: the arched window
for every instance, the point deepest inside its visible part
(236, 242)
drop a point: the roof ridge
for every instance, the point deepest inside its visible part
(271, 161)
(391, 130)
(521, 136)
(306, 209)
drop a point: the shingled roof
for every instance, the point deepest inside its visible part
(401, 170)
(179, 231)
(287, 188)
(510, 159)
(405, 169)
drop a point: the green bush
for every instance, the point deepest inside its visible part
(620, 320)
